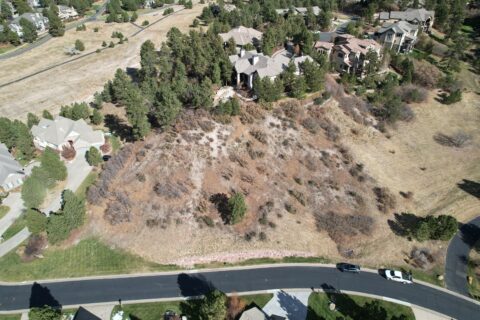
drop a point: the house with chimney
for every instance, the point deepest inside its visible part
(349, 54)
(11, 172)
(421, 17)
(243, 36)
(400, 36)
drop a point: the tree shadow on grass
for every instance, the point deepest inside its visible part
(118, 127)
(220, 200)
(470, 187)
(193, 286)
(41, 296)
(404, 224)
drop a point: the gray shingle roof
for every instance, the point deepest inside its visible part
(242, 35)
(408, 15)
(8, 164)
(398, 27)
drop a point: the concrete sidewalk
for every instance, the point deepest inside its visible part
(15, 203)
(288, 304)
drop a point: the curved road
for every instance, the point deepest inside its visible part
(457, 256)
(173, 285)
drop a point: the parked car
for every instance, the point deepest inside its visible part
(398, 276)
(348, 267)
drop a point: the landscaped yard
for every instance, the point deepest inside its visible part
(10, 316)
(16, 227)
(3, 211)
(89, 257)
(89, 180)
(353, 307)
(155, 310)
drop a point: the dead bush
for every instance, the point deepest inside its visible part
(235, 306)
(100, 191)
(119, 210)
(290, 208)
(457, 140)
(259, 135)
(311, 125)
(255, 111)
(162, 222)
(236, 157)
(106, 147)
(421, 258)
(170, 190)
(263, 212)
(412, 93)
(68, 152)
(385, 199)
(206, 125)
(426, 74)
(292, 109)
(34, 248)
(342, 228)
(253, 153)
(299, 196)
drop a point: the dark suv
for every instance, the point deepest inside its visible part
(347, 267)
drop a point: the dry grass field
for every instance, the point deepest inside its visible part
(78, 80)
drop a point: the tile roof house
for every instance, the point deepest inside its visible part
(65, 12)
(11, 172)
(243, 36)
(62, 131)
(323, 47)
(421, 17)
(400, 36)
(349, 53)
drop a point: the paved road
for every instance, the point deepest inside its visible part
(47, 36)
(457, 256)
(13, 242)
(22, 296)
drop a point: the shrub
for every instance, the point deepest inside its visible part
(145, 23)
(36, 244)
(458, 140)
(44, 313)
(97, 117)
(111, 45)
(70, 216)
(50, 161)
(442, 227)
(36, 221)
(81, 27)
(104, 44)
(213, 306)
(168, 11)
(95, 29)
(237, 208)
(412, 93)
(79, 45)
(385, 199)
(94, 157)
(426, 74)
(68, 152)
(341, 228)
(453, 97)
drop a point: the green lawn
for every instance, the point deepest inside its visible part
(16, 227)
(353, 307)
(3, 211)
(10, 316)
(6, 48)
(89, 180)
(89, 257)
(155, 310)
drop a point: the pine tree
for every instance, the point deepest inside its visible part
(28, 29)
(134, 16)
(5, 11)
(137, 114)
(56, 26)
(97, 117)
(50, 161)
(32, 120)
(237, 208)
(166, 106)
(299, 87)
(33, 192)
(47, 115)
(79, 45)
(213, 306)
(148, 60)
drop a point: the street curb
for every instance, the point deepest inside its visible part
(313, 290)
(235, 268)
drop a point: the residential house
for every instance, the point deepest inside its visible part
(148, 4)
(324, 47)
(420, 17)
(254, 313)
(34, 3)
(298, 10)
(62, 131)
(349, 54)
(65, 12)
(84, 314)
(400, 36)
(37, 19)
(11, 172)
(243, 36)
(249, 64)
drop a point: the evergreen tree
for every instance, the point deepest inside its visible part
(314, 76)
(134, 17)
(166, 106)
(50, 161)
(79, 45)
(97, 117)
(28, 29)
(213, 306)
(237, 208)
(441, 14)
(32, 120)
(21, 6)
(94, 157)
(24, 147)
(120, 87)
(148, 60)
(33, 192)
(5, 11)
(47, 115)
(56, 27)
(299, 87)
(44, 313)
(36, 221)
(137, 114)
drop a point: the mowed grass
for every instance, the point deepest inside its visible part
(15, 228)
(156, 310)
(349, 307)
(3, 211)
(89, 180)
(10, 316)
(89, 257)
